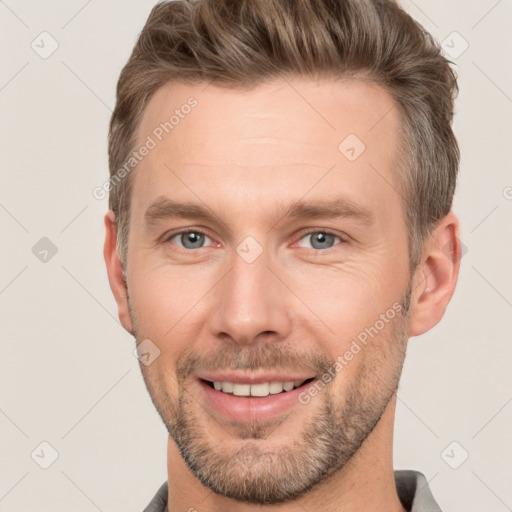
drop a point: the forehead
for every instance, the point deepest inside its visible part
(276, 138)
(305, 110)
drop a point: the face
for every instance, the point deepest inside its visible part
(266, 247)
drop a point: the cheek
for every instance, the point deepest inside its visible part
(346, 299)
(167, 303)
(357, 309)
(370, 361)
(171, 303)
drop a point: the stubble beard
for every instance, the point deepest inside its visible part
(252, 473)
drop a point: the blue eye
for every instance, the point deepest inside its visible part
(320, 239)
(190, 239)
(193, 239)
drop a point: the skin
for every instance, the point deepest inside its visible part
(297, 306)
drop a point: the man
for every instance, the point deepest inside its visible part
(282, 174)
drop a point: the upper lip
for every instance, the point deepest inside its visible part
(244, 378)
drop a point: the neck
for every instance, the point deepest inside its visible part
(366, 482)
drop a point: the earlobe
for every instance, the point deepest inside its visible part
(436, 277)
(115, 271)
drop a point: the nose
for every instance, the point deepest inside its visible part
(250, 304)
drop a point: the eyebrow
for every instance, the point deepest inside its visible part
(329, 209)
(165, 209)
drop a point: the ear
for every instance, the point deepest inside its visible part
(115, 271)
(435, 278)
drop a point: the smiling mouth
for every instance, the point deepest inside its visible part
(260, 390)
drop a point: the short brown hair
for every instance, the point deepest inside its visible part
(246, 42)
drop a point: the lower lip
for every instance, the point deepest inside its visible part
(244, 409)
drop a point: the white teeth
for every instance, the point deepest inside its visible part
(288, 386)
(227, 387)
(242, 389)
(275, 387)
(263, 389)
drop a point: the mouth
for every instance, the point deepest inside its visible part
(249, 402)
(260, 390)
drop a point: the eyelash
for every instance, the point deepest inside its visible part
(303, 235)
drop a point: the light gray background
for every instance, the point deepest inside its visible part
(67, 373)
